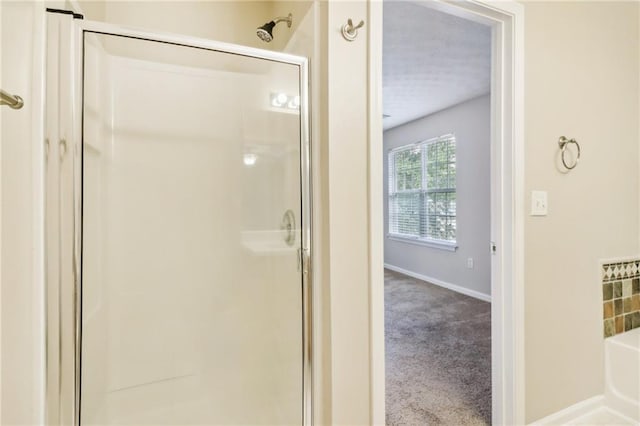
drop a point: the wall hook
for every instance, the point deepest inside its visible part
(349, 32)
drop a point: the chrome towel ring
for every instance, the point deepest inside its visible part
(564, 143)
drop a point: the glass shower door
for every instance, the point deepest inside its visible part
(192, 289)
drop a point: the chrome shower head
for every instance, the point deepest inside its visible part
(265, 32)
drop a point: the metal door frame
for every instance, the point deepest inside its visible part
(64, 129)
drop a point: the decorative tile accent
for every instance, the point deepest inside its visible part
(619, 325)
(621, 270)
(618, 307)
(609, 328)
(635, 302)
(626, 305)
(617, 289)
(607, 291)
(620, 296)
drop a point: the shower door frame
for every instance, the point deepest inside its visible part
(64, 123)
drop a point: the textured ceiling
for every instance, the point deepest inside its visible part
(431, 61)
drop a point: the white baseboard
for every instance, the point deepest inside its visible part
(572, 412)
(453, 287)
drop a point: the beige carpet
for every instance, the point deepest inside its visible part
(438, 355)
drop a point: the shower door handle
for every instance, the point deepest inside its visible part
(288, 225)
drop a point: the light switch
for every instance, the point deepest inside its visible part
(539, 203)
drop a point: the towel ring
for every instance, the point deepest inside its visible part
(563, 143)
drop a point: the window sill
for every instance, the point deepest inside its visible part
(436, 244)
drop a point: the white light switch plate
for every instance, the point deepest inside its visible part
(539, 205)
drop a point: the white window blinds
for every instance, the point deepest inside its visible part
(422, 190)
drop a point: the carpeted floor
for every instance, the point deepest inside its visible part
(438, 355)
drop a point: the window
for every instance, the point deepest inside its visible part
(422, 191)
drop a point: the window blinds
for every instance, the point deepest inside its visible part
(422, 190)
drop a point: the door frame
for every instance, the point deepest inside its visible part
(506, 18)
(63, 206)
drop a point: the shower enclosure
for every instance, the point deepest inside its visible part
(178, 230)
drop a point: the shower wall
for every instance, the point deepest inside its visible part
(235, 22)
(21, 256)
(157, 342)
(229, 21)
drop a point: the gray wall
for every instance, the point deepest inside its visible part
(470, 123)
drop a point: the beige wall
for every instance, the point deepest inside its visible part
(581, 65)
(282, 34)
(347, 172)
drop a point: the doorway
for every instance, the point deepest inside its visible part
(437, 192)
(507, 191)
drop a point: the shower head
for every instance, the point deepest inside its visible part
(265, 32)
